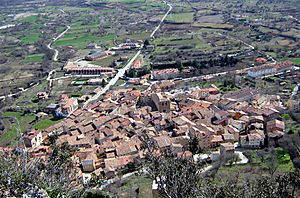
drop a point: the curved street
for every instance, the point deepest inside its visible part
(56, 52)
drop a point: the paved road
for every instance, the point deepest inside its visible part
(114, 80)
(122, 71)
(55, 39)
(162, 20)
(56, 53)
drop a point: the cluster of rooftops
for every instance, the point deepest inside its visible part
(109, 133)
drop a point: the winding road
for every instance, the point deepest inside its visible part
(54, 58)
(19, 92)
(55, 39)
(56, 53)
(122, 71)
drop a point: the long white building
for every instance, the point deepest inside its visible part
(268, 69)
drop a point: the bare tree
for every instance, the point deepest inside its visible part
(55, 175)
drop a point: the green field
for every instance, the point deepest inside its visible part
(283, 161)
(43, 124)
(35, 58)
(134, 36)
(120, 82)
(30, 38)
(131, 184)
(121, 1)
(291, 126)
(107, 61)
(79, 26)
(273, 54)
(181, 17)
(195, 40)
(30, 19)
(80, 41)
(295, 60)
(10, 136)
(152, 5)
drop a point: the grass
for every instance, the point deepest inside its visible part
(123, 1)
(273, 54)
(152, 5)
(135, 36)
(258, 165)
(25, 99)
(9, 138)
(131, 184)
(284, 161)
(181, 17)
(30, 19)
(294, 60)
(80, 41)
(205, 84)
(35, 58)
(79, 27)
(43, 124)
(293, 32)
(291, 126)
(120, 82)
(224, 88)
(10, 135)
(228, 89)
(107, 61)
(30, 38)
(167, 43)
